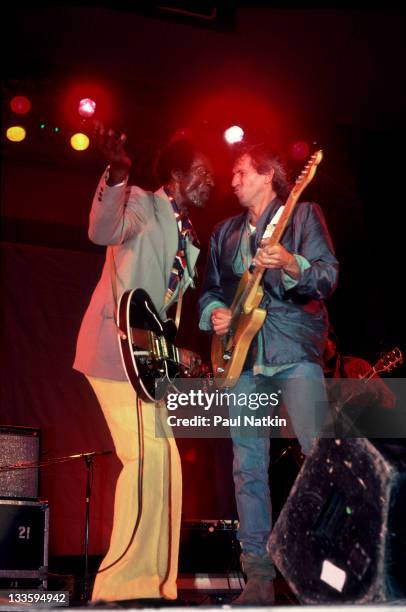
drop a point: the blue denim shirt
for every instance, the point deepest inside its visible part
(296, 324)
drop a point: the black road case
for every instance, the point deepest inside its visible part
(24, 530)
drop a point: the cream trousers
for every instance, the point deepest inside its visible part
(148, 568)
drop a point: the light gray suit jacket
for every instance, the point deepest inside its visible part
(140, 227)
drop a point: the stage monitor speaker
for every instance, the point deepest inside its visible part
(19, 446)
(341, 536)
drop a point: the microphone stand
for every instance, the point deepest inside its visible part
(88, 457)
(89, 466)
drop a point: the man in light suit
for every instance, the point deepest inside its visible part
(142, 231)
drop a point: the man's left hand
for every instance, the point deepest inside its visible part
(276, 257)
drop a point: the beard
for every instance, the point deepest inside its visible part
(198, 199)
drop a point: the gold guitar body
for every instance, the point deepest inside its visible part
(229, 353)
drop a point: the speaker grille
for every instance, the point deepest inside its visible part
(19, 445)
(340, 537)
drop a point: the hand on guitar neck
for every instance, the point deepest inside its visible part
(268, 256)
(276, 257)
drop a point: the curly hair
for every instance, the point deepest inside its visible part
(264, 159)
(178, 154)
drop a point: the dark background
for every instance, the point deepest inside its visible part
(333, 77)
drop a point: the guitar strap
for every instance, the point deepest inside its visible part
(113, 278)
(179, 307)
(270, 228)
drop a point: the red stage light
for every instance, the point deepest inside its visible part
(75, 95)
(20, 105)
(300, 150)
(87, 107)
(234, 134)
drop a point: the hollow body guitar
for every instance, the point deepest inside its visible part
(150, 358)
(228, 352)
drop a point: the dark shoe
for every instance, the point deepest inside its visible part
(257, 592)
(259, 589)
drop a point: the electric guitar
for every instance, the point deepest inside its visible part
(151, 360)
(228, 352)
(387, 362)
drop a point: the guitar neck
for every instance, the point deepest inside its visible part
(369, 374)
(257, 274)
(390, 360)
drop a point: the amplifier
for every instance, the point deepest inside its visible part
(19, 446)
(24, 528)
(209, 546)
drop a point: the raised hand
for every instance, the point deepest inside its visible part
(111, 146)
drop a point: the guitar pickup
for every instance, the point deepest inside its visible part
(163, 347)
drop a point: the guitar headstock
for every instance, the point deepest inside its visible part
(390, 360)
(307, 173)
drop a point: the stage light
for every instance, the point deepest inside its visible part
(79, 142)
(20, 105)
(87, 99)
(42, 126)
(300, 150)
(87, 107)
(16, 133)
(234, 134)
